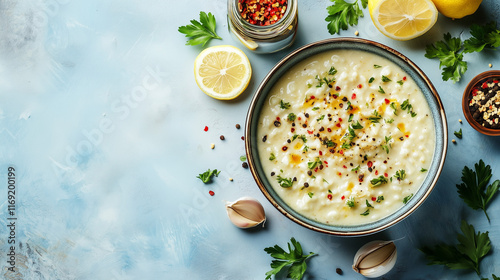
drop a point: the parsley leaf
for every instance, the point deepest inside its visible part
(485, 36)
(450, 54)
(284, 105)
(313, 164)
(285, 182)
(407, 198)
(380, 180)
(293, 262)
(467, 254)
(201, 31)
(458, 134)
(342, 14)
(474, 190)
(206, 176)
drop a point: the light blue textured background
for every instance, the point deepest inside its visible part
(103, 121)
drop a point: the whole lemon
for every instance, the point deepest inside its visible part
(457, 8)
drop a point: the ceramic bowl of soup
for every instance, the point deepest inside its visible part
(346, 136)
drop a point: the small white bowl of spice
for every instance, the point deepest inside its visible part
(481, 103)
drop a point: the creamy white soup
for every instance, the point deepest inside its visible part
(346, 137)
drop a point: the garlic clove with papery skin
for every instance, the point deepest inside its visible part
(246, 212)
(375, 258)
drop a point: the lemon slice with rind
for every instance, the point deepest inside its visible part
(403, 19)
(222, 72)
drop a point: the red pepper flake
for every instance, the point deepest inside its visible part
(369, 164)
(340, 173)
(387, 101)
(404, 78)
(386, 175)
(337, 88)
(329, 129)
(310, 131)
(376, 172)
(211, 193)
(326, 162)
(299, 118)
(340, 119)
(330, 196)
(205, 129)
(485, 85)
(337, 125)
(316, 169)
(407, 135)
(320, 153)
(353, 96)
(278, 118)
(242, 137)
(292, 130)
(341, 152)
(312, 96)
(360, 86)
(344, 166)
(374, 198)
(343, 197)
(474, 92)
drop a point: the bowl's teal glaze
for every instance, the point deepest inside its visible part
(363, 45)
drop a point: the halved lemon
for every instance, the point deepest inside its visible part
(222, 72)
(403, 19)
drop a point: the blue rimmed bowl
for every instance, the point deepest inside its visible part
(411, 69)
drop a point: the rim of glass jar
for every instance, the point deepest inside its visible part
(265, 31)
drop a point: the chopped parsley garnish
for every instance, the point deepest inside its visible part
(474, 189)
(380, 180)
(376, 66)
(394, 108)
(368, 204)
(272, 156)
(389, 121)
(400, 175)
(371, 80)
(458, 134)
(407, 198)
(332, 71)
(400, 82)
(320, 118)
(324, 180)
(284, 182)
(329, 143)
(366, 213)
(342, 14)
(380, 198)
(284, 105)
(315, 109)
(315, 163)
(206, 176)
(375, 118)
(292, 264)
(310, 194)
(423, 170)
(243, 158)
(406, 106)
(387, 145)
(357, 125)
(356, 168)
(306, 148)
(350, 202)
(385, 79)
(291, 117)
(381, 90)
(346, 145)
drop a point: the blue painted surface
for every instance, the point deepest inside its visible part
(103, 122)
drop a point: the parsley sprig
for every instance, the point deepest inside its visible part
(467, 254)
(292, 262)
(342, 14)
(474, 189)
(450, 51)
(201, 31)
(206, 176)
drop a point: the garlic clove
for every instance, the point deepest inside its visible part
(375, 258)
(246, 212)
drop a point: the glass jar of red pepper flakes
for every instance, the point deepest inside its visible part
(263, 26)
